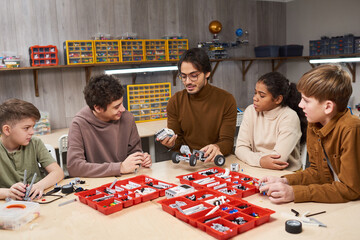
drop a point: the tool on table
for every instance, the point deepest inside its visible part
(28, 189)
(24, 181)
(67, 202)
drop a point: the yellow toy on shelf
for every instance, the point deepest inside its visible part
(147, 102)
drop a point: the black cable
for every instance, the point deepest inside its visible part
(53, 195)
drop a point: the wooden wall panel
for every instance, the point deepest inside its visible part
(155, 23)
(105, 16)
(7, 27)
(122, 15)
(38, 22)
(10, 86)
(89, 19)
(188, 26)
(140, 17)
(270, 19)
(171, 17)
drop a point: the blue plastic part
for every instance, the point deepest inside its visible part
(233, 211)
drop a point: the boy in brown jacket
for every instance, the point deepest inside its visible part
(333, 140)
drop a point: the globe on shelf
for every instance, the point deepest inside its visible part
(215, 27)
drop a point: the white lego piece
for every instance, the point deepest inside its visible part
(163, 133)
(179, 191)
(235, 167)
(213, 210)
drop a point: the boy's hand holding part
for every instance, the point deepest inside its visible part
(166, 137)
(278, 189)
(134, 161)
(211, 151)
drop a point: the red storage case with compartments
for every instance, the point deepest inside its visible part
(43, 55)
(113, 197)
(217, 207)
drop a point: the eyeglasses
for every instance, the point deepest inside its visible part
(192, 76)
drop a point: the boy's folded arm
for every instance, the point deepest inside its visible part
(79, 167)
(335, 192)
(286, 141)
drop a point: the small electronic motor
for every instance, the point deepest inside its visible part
(179, 190)
(163, 133)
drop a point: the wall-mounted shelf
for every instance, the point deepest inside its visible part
(276, 62)
(246, 63)
(87, 67)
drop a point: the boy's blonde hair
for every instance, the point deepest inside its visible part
(327, 82)
(14, 110)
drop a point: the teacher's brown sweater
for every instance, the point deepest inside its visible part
(207, 117)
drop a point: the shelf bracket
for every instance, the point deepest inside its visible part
(352, 69)
(213, 71)
(244, 68)
(36, 83)
(134, 75)
(175, 73)
(88, 74)
(275, 68)
(312, 65)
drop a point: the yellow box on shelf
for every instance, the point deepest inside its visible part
(155, 50)
(147, 102)
(79, 52)
(132, 50)
(107, 51)
(176, 47)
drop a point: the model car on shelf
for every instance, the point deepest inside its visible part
(186, 155)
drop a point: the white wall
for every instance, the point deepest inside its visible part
(310, 19)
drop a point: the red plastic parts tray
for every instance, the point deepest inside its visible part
(124, 193)
(233, 216)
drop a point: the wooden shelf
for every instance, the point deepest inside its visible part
(246, 63)
(276, 62)
(88, 69)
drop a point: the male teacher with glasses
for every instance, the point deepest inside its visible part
(202, 116)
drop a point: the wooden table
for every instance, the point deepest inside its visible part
(148, 220)
(145, 129)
